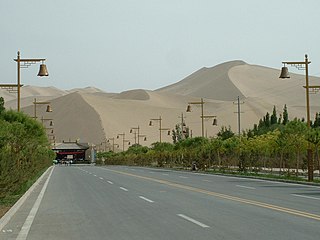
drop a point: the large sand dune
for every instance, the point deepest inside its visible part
(91, 115)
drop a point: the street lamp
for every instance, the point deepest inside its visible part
(160, 126)
(113, 144)
(25, 63)
(49, 109)
(123, 140)
(202, 116)
(50, 128)
(285, 74)
(137, 135)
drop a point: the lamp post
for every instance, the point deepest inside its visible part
(137, 135)
(284, 74)
(133, 130)
(123, 140)
(25, 63)
(112, 139)
(51, 133)
(160, 126)
(49, 109)
(202, 115)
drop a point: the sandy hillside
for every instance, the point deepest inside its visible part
(94, 116)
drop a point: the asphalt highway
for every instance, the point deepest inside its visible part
(118, 202)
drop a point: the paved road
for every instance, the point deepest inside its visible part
(117, 202)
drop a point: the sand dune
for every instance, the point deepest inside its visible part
(91, 115)
(211, 83)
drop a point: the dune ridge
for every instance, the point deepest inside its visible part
(92, 115)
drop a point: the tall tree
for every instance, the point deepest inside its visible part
(285, 115)
(274, 116)
(2, 108)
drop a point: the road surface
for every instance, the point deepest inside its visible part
(119, 202)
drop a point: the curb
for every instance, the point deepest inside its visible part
(7, 217)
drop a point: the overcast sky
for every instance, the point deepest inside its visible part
(130, 44)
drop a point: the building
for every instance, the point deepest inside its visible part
(75, 151)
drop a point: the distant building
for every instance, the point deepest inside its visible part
(74, 151)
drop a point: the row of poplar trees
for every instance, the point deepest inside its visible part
(275, 142)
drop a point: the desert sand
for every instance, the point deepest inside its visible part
(94, 116)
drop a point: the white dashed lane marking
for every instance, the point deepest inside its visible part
(193, 221)
(146, 199)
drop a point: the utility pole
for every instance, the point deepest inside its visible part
(239, 112)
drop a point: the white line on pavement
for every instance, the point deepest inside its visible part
(109, 182)
(146, 199)
(245, 187)
(101, 178)
(193, 221)
(205, 180)
(297, 195)
(23, 234)
(182, 177)
(94, 175)
(124, 189)
(165, 174)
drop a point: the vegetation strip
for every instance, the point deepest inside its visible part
(224, 196)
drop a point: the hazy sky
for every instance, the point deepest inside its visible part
(129, 44)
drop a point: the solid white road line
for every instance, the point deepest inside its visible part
(245, 187)
(193, 221)
(124, 189)
(23, 234)
(165, 174)
(297, 195)
(146, 199)
(109, 182)
(182, 177)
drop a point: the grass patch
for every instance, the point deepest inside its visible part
(11, 198)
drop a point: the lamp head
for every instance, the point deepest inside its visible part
(43, 71)
(49, 109)
(214, 123)
(284, 72)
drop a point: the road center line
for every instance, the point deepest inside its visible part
(101, 178)
(109, 182)
(297, 195)
(245, 187)
(165, 174)
(193, 221)
(124, 189)
(182, 177)
(146, 199)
